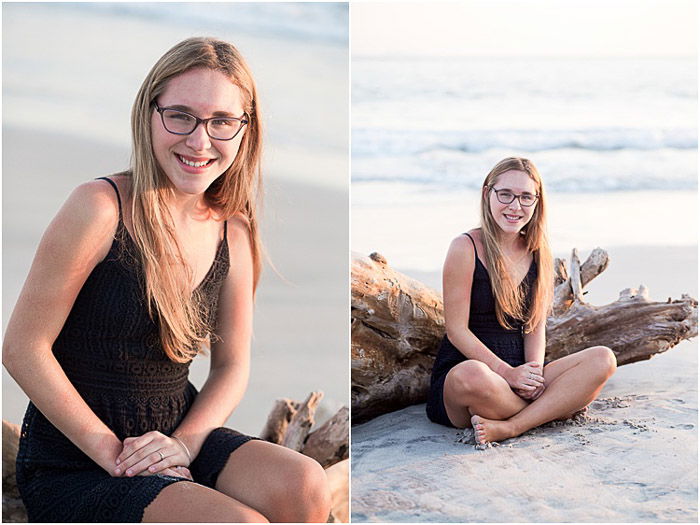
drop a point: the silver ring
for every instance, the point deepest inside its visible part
(162, 457)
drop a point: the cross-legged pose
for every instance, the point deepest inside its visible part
(489, 373)
(136, 274)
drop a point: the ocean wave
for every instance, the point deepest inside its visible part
(563, 170)
(380, 142)
(315, 21)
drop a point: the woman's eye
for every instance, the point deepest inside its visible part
(527, 199)
(505, 194)
(223, 122)
(179, 116)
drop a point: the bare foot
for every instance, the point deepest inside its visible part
(490, 430)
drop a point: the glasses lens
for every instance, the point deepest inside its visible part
(178, 122)
(224, 128)
(527, 200)
(505, 197)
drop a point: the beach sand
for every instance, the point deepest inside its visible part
(633, 458)
(300, 338)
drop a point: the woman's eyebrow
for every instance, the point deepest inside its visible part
(188, 109)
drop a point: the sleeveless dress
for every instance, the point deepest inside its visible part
(508, 345)
(110, 350)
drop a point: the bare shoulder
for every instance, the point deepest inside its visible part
(239, 234)
(92, 205)
(462, 247)
(460, 256)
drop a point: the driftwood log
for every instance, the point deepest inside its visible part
(289, 423)
(397, 324)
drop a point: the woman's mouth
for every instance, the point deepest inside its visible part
(512, 218)
(194, 162)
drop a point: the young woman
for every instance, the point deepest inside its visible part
(135, 275)
(490, 373)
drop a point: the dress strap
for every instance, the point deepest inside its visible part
(225, 228)
(476, 255)
(114, 185)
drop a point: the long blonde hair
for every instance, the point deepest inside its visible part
(510, 296)
(181, 317)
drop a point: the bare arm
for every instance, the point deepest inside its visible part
(77, 239)
(534, 353)
(457, 278)
(535, 344)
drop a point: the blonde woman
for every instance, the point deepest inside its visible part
(490, 373)
(135, 275)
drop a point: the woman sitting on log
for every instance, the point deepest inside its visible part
(137, 272)
(490, 373)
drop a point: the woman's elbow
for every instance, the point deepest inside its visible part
(9, 355)
(454, 330)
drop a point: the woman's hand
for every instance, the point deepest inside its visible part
(527, 377)
(150, 453)
(178, 472)
(531, 395)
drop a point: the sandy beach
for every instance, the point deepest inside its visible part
(85, 92)
(632, 459)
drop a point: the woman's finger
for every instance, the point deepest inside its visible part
(152, 450)
(151, 459)
(132, 445)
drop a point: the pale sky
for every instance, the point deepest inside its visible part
(571, 28)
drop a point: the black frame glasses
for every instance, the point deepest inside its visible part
(243, 121)
(500, 193)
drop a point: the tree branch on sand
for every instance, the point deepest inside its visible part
(397, 323)
(288, 424)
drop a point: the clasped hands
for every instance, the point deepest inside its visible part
(527, 380)
(153, 453)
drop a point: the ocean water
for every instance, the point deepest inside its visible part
(614, 139)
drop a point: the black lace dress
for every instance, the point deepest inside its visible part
(506, 344)
(109, 348)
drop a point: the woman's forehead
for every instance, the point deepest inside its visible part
(516, 180)
(203, 89)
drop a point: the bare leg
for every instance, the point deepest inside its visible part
(187, 502)
(572, 383)
(471, 387)
(283, 485)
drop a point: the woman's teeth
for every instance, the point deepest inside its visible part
(193, 164)
(512, 217)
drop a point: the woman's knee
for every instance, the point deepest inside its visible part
(189, 502)
(303, 495)
(603, 361)
(470, 378)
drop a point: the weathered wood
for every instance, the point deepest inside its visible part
(278, 420)
(301, 422)
(328, 444)
(635, 327)
(594, 265)
(13, 510)
(338, 481)
(397, 325)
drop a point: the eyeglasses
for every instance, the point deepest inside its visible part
(507, 196)
(218, 128)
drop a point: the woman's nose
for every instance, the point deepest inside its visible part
(199, 140)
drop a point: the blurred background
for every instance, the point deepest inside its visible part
(70, 74)
(602, 96)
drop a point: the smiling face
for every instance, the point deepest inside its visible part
(192, 162)
(512, 218)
